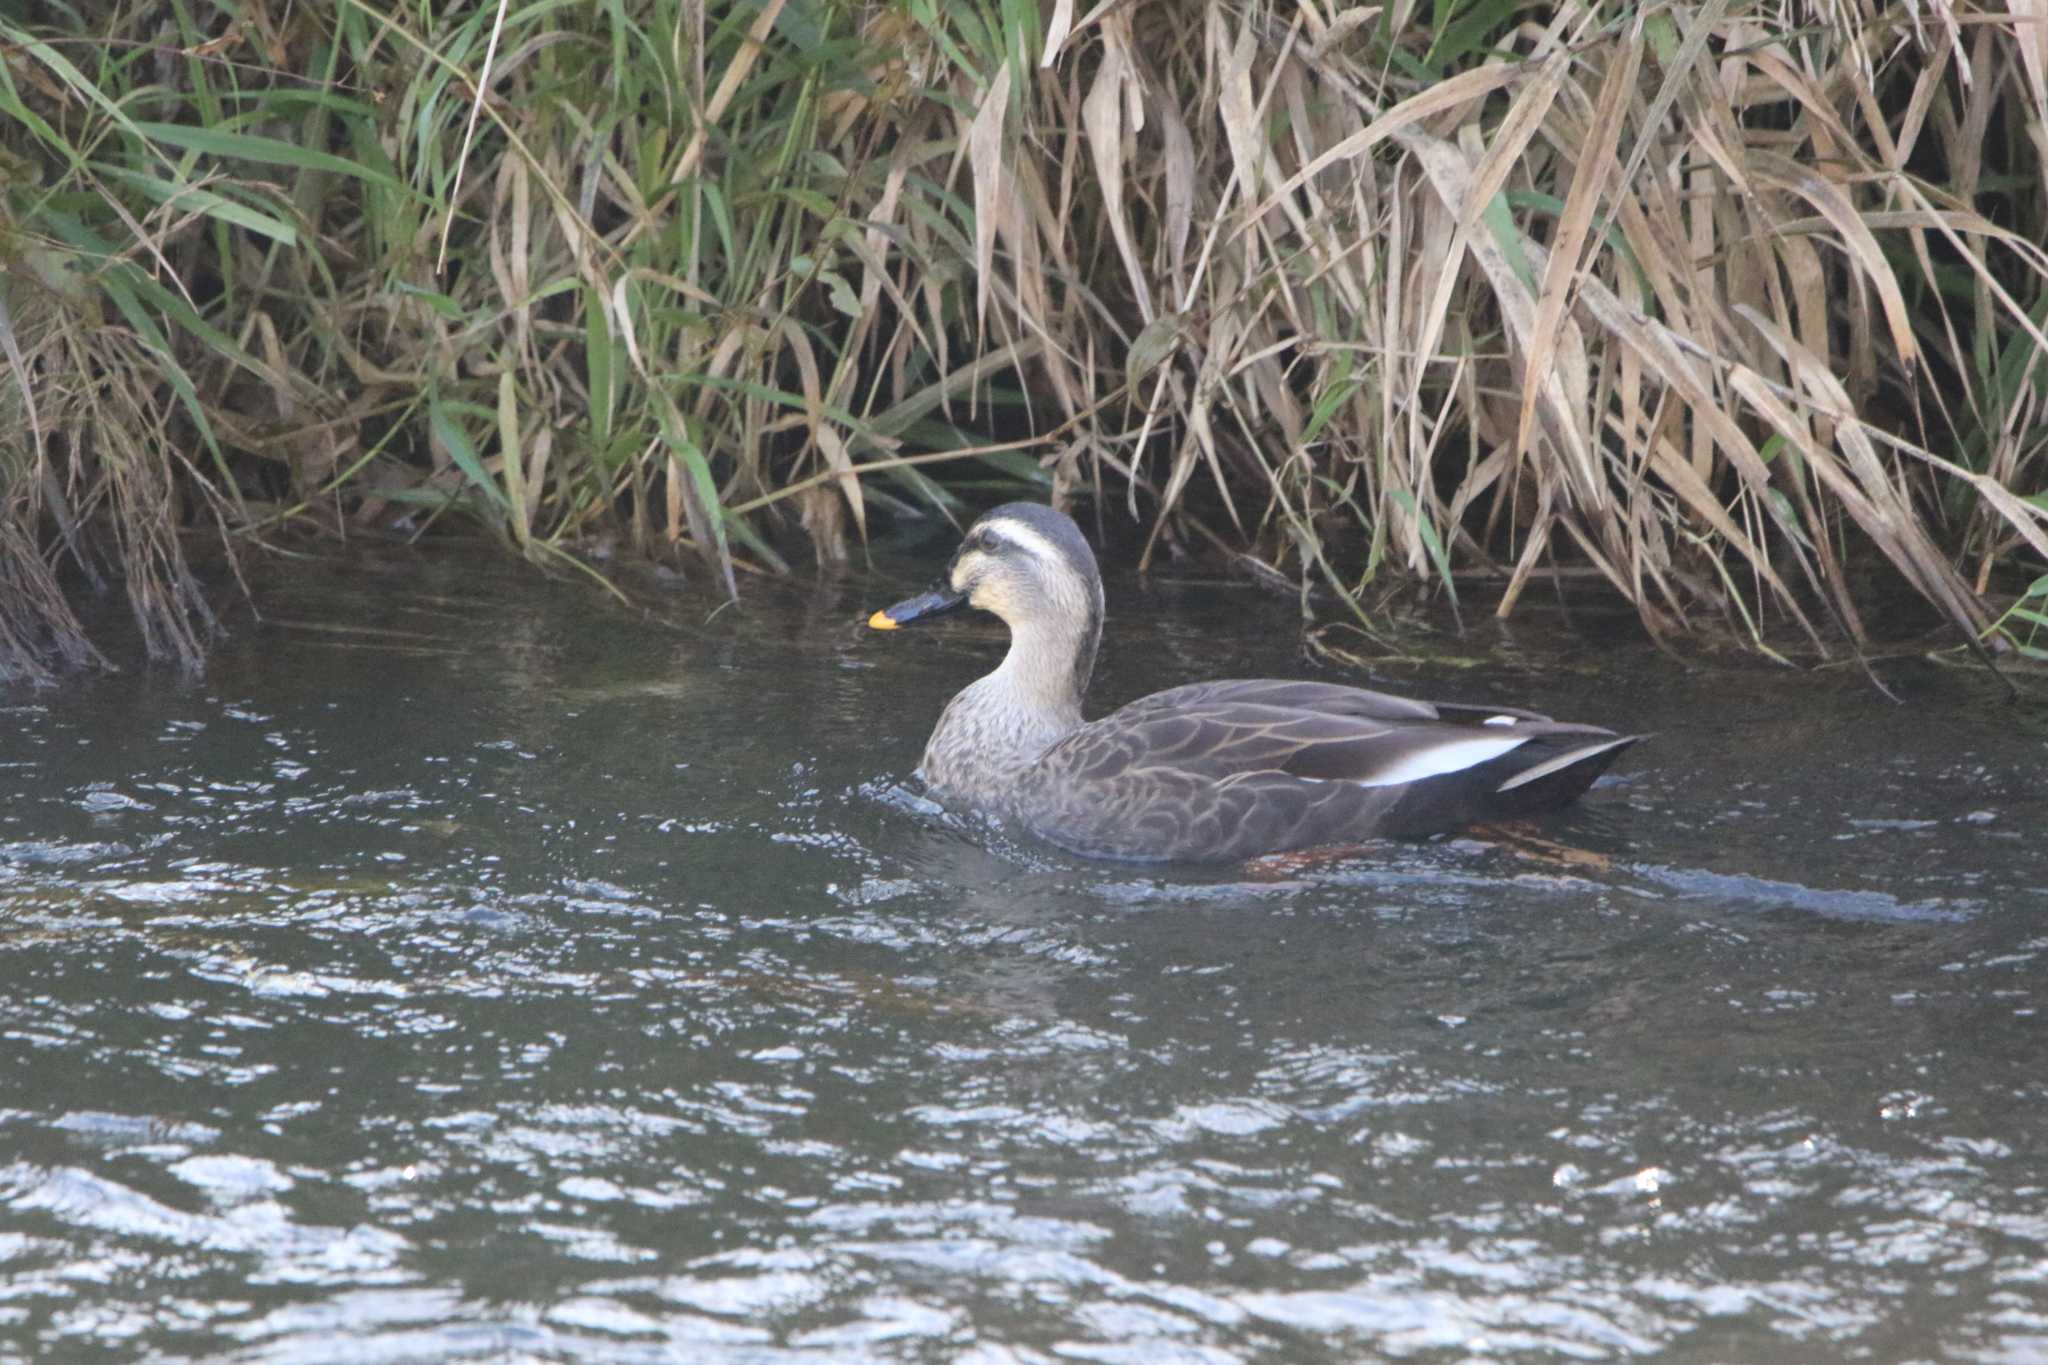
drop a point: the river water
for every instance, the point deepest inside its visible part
(470, 968)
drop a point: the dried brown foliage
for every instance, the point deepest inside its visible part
(1728, 306)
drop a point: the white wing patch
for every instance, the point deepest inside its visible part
(1561, 762)
(1498, 720)
(1451, 757)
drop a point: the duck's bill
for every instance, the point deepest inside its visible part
(925, 604)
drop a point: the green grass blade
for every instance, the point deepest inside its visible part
(441, 416)
(264, 151)
(206, 202)
(1430, 541)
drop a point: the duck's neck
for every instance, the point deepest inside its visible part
(998, 726)
(1046, 671)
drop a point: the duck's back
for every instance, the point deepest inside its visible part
(1228, 770)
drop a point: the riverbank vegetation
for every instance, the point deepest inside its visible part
(1736, 308)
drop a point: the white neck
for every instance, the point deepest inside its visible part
(992, 732)
(1038, 672)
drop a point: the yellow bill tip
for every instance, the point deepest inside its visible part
(880, 621)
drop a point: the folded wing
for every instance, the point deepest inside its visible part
(1231, 768)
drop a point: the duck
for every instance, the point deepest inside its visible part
(1209, 771)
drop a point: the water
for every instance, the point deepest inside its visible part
(509, 976)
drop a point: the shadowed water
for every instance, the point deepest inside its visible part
(469, 969)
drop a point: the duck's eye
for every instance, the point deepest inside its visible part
(985, 543)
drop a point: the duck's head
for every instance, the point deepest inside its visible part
(1027, 564)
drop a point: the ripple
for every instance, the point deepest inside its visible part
(585, 989)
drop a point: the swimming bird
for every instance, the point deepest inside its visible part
(1212, 770)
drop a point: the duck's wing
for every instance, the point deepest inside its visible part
(1334, 699)
(1227, 770)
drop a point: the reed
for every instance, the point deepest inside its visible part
(1740, 307)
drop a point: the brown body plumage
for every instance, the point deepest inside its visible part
(1218, 770)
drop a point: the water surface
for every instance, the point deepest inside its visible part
(467, 968)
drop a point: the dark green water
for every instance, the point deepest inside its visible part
(508, 977)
